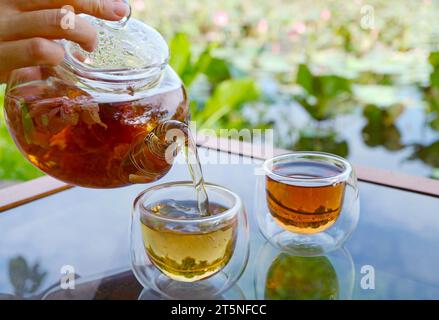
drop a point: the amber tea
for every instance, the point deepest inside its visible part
(304, 208)
(189, 253)
(64, 132)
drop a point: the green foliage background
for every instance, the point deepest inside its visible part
(13, 166)
(317, 58)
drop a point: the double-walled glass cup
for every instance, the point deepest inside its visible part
(307, 203)
(181, 257)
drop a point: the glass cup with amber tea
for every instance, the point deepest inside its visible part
(180, 254)
(307, 203)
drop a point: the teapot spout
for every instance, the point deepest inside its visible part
(150, 158)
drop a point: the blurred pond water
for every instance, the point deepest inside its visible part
(365, 135)
(358, 78)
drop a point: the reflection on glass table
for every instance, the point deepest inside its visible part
(234, 292)
(120, 285)
(283, 276)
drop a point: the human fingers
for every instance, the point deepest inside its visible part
(47, 24)
(29, 52)
(104, 9)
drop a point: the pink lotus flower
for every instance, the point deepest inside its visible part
(262, 26)
(325, 14)
(221, 19)
(297, 29)
(139, 5)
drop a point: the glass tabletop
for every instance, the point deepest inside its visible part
(393, 254)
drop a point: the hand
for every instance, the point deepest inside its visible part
(28, 28)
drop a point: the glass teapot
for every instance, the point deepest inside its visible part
(99, 119)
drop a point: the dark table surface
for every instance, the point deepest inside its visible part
(397, 239)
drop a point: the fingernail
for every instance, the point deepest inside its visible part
(90, 47)
(121, 9)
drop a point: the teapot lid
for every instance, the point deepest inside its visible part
(127, 51)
